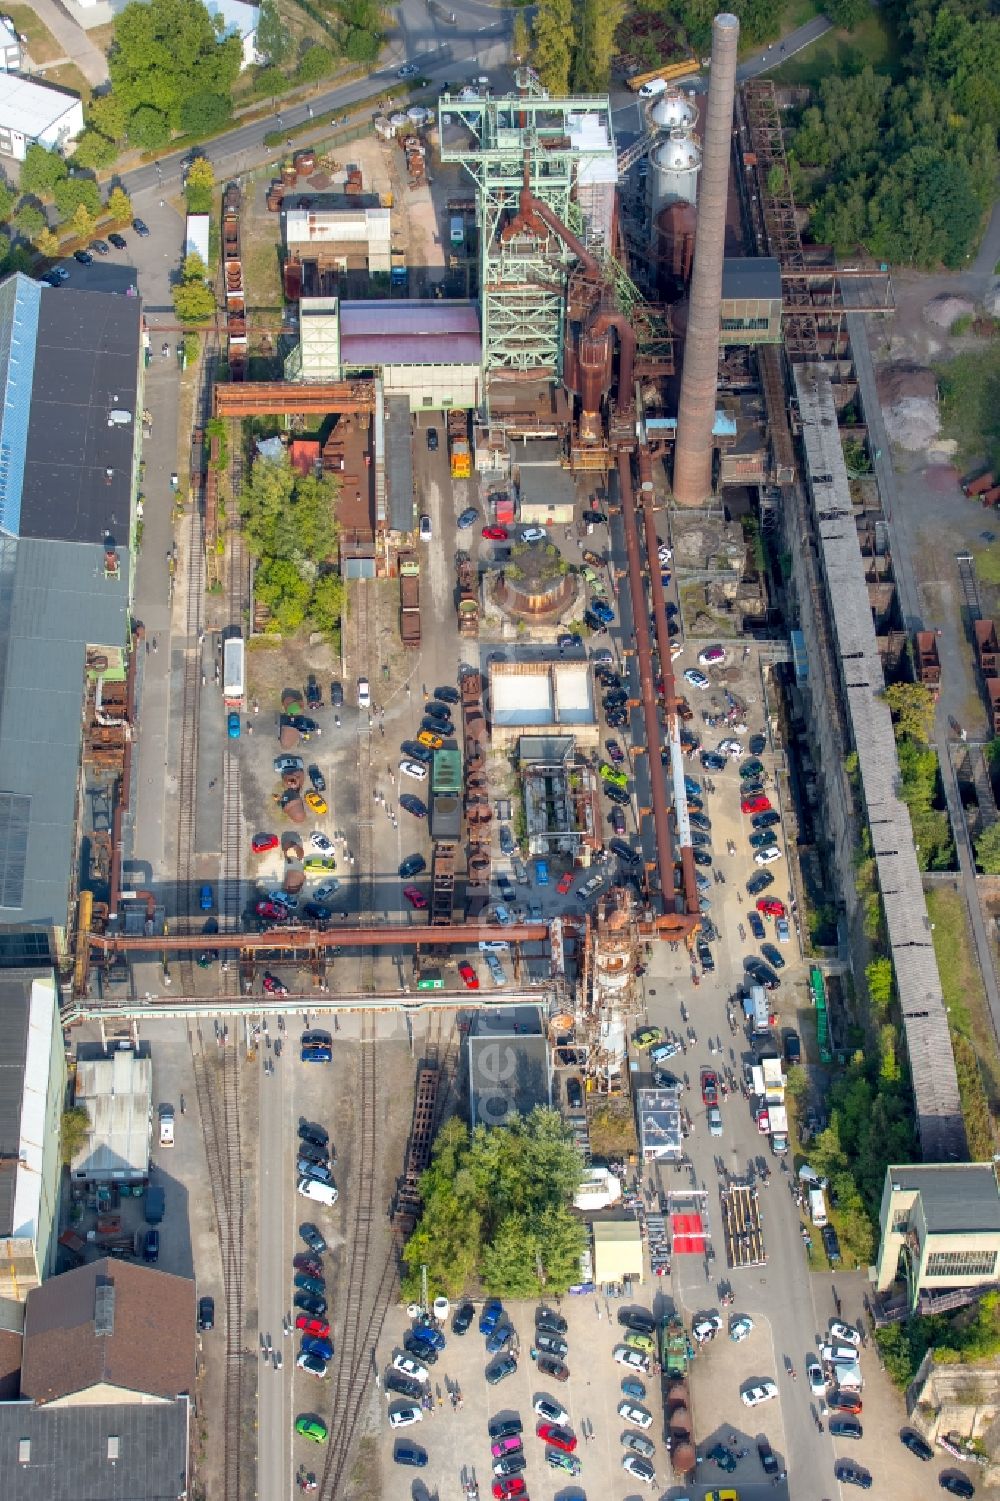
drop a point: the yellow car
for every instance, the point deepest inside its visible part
(317, 864)
(722, 1496)
(316, 803)
(433, 742)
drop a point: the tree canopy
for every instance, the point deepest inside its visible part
(193, 298)
(165, 55)
(497, 1210)
(289, 522)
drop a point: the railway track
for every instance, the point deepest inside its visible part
(237, 605)
(368, 1285)
(363, 625)
(217, 1084)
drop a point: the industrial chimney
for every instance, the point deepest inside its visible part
(696, 409)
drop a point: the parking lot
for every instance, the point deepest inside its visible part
(457, 1437)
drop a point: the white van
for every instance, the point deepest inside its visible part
(817, 1207)
(652, 88)
(325, 1193)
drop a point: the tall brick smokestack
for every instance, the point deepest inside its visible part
(696, 409)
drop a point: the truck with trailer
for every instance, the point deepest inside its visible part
(458, 444)
(234, 672)
(409, 599)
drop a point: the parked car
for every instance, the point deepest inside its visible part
(496, 1372)
(639, 1468)
(916, 1445)
(955, 1484)
(851, 1474)
(206, 1315)
(462, 1318)
(467, 518)
(760, 882)
(846, 1428)
(760, 1391)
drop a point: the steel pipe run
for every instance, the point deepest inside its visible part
(459, 935)
(672, 922)
(688, 869)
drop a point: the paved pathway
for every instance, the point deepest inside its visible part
(902, 546)
(74, 41)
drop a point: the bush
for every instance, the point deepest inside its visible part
(316, 63)
(268, 81)
(149, 127)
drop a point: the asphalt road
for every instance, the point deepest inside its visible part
(441, 51)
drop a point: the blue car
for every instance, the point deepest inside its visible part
(321, 1347)
(756, 924)
(316, 1054)
(233, 725)
(691, 787)
(206, 900)
(602, 611)
(490, 1316)
(542, 872)
(497, 1338)
(432, 1337)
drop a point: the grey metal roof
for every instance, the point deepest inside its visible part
(15, 996)
(399, 463)
(508, 1075)
(964, 1196)
(134, 1452)
(918, 981)
(78, 468)
(752, 278)
(54, 600)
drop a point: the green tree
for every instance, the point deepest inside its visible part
(553, 45)
(108, 115)
(82, 222)
(74, 1129)
(520, 42)
(361, 47)
(272, 34)
(94, 150)
(165, 52)
(205, 113)
(17, 258)
(29, 219)
(317, 62)
(199, 186)
(73, 192)
(913, 707)
(879, 976)
(988, 850)
(194, 301)
(597, 24)
(41, 170)
(848, 13)
(281, 587)
(8, 198)
(46, 241)
(119, 206)
(326, 607)
(149, 127)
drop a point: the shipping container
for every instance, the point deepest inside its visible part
(234, 672)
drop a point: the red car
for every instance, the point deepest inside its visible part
(759, 804)
(615, 753)
(318, 1328)
(508, 1487)
(565, 882)
(261, 843)
(273, 910)
(307, 1264)
(274, 986)
(495, 533)
(415, 897)
(709, 1087)
(770, 906)
(559, 1438)
(469, 977)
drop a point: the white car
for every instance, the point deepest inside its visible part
(425, 528)
(676, 650)
(706, 1328)
(166, 1125)
(761, 1391)
(640, 1469)
(634, 1359)
(663, 1051)
(318, 841)
(413, 769)
(633, 1413)
(551, 1411)
(664, 553)
(712, 656)
(405, 1417)
(814, 1373)
(740, 1328)
(410, 1367)
(731, 748)
(845, 1333)
(534, 534)
(739, 728)
(839, 1354)
(364, 693)
(695, 678)
(282, 899)
(767, 856)
(323, 893)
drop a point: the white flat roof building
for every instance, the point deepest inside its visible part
(117, 1092)
(36, 114)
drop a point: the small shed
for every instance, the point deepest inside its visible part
(117, 1093)
(617, 1251)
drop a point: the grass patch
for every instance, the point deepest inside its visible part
(42, 45)
(102, 36)
(988, 569)
(968, 1021)
(970, 403)
(263, 271)
(872, 44)
(69, 77)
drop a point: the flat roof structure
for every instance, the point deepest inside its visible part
(940, 1232)
(118, 1094)
(932, 1062)
(398, 442)
(617, 1250)
(29, 1188)
(751, 278)
(509, 1074)
(954, 1196)
(35, 109)
(542, 695)
(409, 333)
(660, 1136)
(137, 1450)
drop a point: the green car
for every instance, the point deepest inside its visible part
(637, 1341)
(612, 775)
(311, 1428)
(316, 864)
(648, 1037)
(560, 1461)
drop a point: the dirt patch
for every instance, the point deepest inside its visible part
(941, 478)
(909, 400)
(945, 310)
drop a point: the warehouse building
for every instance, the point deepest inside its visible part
(36, 114)
(117, 1093)
(940, 1230)
(543, 697)
(332, 233)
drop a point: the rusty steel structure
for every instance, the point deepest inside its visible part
(700, 371)
(252, 399)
